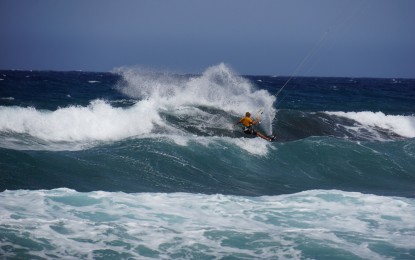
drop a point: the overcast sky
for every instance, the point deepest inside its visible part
(357, 38)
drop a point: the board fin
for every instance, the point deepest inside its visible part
(271, 138)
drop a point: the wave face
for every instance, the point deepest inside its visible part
(164, 105)
(146, 164)
(138, 130)
(218, 165)
(63, 223)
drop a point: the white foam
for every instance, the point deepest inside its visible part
(255, 146)
(70, 224)
(97, 122)
(401, 125)
(78, 127)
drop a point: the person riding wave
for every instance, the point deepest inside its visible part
(248, 126)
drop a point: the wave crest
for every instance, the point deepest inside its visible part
(167, 104)
(98, 121)
(400, 125)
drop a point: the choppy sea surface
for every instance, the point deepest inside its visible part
(141, 164)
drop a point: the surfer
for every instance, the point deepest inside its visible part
(248, 126)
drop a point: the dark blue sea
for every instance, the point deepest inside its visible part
(143, 164)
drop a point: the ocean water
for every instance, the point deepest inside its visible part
(142, 164)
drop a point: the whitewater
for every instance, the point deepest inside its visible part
(143, 164)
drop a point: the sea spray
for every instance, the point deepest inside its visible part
(218, 88)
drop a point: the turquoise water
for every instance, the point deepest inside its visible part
(317, 224)
(141, 164)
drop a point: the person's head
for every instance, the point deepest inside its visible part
(247, 114)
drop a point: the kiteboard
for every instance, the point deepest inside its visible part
(258, 114)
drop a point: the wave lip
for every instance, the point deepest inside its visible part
(401, 125)
(97, 121)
